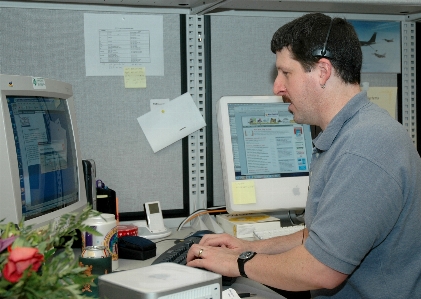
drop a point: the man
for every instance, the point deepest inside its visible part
(363, 212)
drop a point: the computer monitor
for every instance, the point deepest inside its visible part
(265, 155)
(41, 174)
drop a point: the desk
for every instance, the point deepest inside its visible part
(241, 285)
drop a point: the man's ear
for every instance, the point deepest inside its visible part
(324, 68)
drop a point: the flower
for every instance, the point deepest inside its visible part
(20, 259)
(6, 242)
(32, 267)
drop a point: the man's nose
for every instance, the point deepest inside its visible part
(278, 87)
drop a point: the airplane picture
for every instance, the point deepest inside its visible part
(370, 42)
(380, 45)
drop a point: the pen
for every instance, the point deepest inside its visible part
(245, 295)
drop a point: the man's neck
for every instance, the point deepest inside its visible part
(334, 100)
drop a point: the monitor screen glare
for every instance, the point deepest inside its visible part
(46, 153)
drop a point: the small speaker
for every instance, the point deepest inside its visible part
(89, 171)
(106, 201)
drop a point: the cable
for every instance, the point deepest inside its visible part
(200, 212)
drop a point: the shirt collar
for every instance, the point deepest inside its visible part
(325, 139)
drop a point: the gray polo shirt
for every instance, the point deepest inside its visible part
(364, 205)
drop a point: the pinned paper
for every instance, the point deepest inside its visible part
(171, 122)
(134, 77)
(156, 103)
(384, 97)
(243, 192)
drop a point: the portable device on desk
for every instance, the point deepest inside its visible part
(155, 227)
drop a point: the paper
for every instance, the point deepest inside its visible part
(230, 294)
(384, 97)
(115, 41)
(157, 103)
(134, 77)
(243, 192)
(171, 122)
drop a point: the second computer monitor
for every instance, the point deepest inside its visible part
(265, 155)
(40, 159)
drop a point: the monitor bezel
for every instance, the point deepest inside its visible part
(269, 188)
(15, 85)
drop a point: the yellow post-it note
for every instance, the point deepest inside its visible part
(134, 77)
(243, 192)
(385, 97)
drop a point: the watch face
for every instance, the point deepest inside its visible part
(246, 254)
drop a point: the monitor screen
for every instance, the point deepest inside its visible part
(46, 153)
(265, 155)
(41, 175)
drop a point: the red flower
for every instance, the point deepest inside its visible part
(20, 259)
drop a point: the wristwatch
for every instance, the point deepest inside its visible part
(242, 259)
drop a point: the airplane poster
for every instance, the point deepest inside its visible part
(381, 45)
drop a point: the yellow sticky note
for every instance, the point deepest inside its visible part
(385, 97)
(134, 77)
(243, 192)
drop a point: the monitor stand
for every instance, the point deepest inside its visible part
(144, 231)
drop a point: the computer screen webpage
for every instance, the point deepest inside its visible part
(46, 153)
(266, 142)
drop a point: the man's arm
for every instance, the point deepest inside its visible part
(294, 270)
(268, 246)
(280, 244)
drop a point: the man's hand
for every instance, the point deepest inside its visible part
(220, 260)
(225, 241)
(218, 253)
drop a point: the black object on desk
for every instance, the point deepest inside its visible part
(106, 201)
(178, 254)
(136, 248)
(245, 295)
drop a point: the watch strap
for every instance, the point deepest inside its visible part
(242, 261)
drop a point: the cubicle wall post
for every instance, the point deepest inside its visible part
(409, 115)
(196, 87)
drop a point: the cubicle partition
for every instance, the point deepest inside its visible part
(209, 56)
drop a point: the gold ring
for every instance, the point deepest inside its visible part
(200, 252)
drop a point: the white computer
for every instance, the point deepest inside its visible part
(265, 155)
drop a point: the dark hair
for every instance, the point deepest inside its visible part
(308, 33)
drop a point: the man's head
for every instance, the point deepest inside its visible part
(307, 36)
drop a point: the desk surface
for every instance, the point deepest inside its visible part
(241, 285)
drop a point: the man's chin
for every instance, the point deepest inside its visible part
(296, 120)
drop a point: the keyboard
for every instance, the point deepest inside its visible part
(178, 253)
(282, 231)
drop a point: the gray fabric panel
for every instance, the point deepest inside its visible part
(50, 43)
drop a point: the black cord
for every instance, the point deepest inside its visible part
(302, 241)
